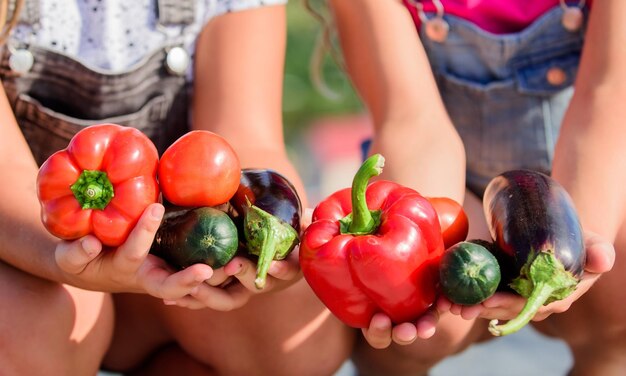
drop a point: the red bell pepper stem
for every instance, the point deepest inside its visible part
(362, 220)
(93, 189)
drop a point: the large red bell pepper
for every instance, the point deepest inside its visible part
(100, 184)
(373, 248)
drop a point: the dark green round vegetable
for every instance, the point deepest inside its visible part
(200, 235)
(469, 273)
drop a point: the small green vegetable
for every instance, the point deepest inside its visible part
(469, 273)
(200, 235)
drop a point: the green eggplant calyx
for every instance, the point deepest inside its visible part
(363, 221)
(93, 189)
(269, 238)
(542, 280)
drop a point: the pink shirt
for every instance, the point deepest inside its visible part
(496, 16)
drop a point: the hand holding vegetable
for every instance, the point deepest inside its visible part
(533, 221)
(268, 211)
(373, 248)
(100, 184)
(130, 268)
(506, 306)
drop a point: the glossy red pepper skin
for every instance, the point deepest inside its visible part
(121, 157)
(392, 270)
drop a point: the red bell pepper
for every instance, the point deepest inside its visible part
(373, 248)
(100, 184)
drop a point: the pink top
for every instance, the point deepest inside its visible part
(496, 16)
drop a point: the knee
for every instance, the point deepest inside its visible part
(61, 326)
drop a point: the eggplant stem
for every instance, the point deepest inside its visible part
(541, 293)
(266, 255)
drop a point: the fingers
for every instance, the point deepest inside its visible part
(378, 335)
(287, 269)
(222, 299)
(404, 334)
(130, 255)
(245, 271)
(427, 324)
(184, 282)
(600, 253)
(73, 257)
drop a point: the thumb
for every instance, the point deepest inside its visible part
(600, 253)
(73, 257)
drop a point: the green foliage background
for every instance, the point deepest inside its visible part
(303, 103)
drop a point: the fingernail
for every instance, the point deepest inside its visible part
(169, 302)
(157, 211)
(87, 247)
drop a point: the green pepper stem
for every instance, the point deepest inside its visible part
(93, 189)
(363, 221)
(540, 294)
(266, 255)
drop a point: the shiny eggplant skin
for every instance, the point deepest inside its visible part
(534, 223)
(270, 191)
(529, 211)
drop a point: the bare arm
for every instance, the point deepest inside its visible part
(238, 86)
(390, 70)
(590, 158)
(24, 242)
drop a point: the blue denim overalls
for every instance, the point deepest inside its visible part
(506, 93)
(58, 96)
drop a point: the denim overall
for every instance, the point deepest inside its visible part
(506, 93)
(59, 96)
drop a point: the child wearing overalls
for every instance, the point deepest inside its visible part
(483, 87)
(164, 67)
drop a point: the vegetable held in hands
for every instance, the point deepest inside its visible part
(199, 235)
(452, 218)
(100, 184)
(199, 169)
(469, 272)
(268, 209)
(373, 248)
(533, 221)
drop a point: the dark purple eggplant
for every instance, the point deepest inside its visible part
(534, 223)
(269, 210)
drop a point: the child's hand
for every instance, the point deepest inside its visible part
(505, 306)
(129, 267)
(381, 333)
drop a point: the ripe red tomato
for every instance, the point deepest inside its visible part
(199, 169)
(452, 218)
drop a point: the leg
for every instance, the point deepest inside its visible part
(280, 333)
(138, 332)
(51, 327)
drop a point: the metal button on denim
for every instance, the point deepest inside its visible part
(556, 76)
(572, 18)
(21, 61)
(177, 61)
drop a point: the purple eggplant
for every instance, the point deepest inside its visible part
(268, 210)
(534, 223)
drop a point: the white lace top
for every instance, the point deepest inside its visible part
(112, 35)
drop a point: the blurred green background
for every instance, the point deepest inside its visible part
(302, 103)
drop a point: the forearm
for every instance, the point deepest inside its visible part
(424, 152)
(24, 242)
(390, 70)
(238, 86)
(590, 158)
